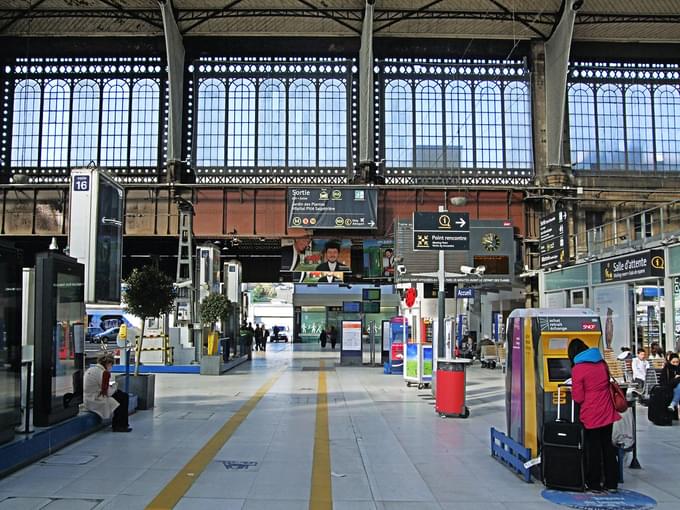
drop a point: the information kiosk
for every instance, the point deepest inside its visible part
(537, 361)
(59, 338)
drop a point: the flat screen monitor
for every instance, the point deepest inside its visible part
(559, 369)
(351, 306)
(370, 294)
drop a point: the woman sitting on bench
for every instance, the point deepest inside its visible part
(101, 395)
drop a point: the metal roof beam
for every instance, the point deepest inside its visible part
(407, 15)
(209, 17)
(19, 15)
(328, 16)
(523, 22)
(594, 19)
(134, 14)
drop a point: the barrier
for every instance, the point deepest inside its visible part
(510, 453)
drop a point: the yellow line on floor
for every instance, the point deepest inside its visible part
(321, 492)
(182, 482)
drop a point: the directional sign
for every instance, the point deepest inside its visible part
(337, 208)
(553, 243)
(441, 231)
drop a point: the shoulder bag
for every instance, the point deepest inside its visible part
(617, 394)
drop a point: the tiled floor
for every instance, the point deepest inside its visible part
(389, 450)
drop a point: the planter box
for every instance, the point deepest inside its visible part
(143, 386)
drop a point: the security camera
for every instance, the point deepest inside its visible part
(401, 269)
(182, 285)
(469, 270)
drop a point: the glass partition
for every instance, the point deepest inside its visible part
(10, 341)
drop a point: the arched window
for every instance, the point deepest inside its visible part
(272, 124)
(582, 134)
(667, 127)
(210, 123)
(332, 124)
(459, 125)
(144, 125)
(85, 123)
(26, 124)
(302, 124)
(429, 125)
(518, 134)
(398, 124)
(241, 123)
(639, 136)
(610, 135)
(488, 125)
(55, 123)
(115, 117)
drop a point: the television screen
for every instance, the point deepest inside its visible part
(351, 306)
(559, 369)
(370, 294)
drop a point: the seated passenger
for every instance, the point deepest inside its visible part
(101, 396)
(670, 377)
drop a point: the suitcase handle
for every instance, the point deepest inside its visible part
(559, 400)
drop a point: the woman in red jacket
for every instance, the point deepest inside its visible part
(590, 389)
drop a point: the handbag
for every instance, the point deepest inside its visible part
(617, 394)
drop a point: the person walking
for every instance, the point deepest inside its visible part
(101, 396)
(334, 337)
(590, 389)
(323, 338)
(259, 336)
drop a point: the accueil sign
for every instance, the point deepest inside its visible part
(633, 266)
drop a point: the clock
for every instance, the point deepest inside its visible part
(491, 241)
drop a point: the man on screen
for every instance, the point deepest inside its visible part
(294, 254)
(331, 251)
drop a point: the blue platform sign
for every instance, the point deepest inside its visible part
(465, 293)
(81, 183)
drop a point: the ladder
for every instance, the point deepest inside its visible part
(185, 268)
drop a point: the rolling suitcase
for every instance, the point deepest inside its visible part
(562, 452)
(657, 407)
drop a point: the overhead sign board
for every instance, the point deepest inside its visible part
(465, 293)
(337, 208)
(633, 266)
(441, 231)
(553, 242)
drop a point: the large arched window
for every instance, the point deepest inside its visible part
(610, 134)
(272, 123)
(144, 125)
(582, 127)
(517, 125)
(332, 123)
(488, 125)
(115, 122)
(55, 123)
(26, 124)
(459, 125)
(212, 97)
(429, 125)
(639, 136)
(302, 123)
(398, 124)
(667, 127)
(85, 123)
(241, 123)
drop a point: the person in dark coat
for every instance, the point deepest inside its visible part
(670, 377)
(334, 336)
(590, 389)
(323, 337)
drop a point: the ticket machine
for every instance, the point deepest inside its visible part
(537, 362)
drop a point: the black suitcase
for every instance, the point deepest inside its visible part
(562, 453)
(657, 407)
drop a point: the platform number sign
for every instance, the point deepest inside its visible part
(81, 183)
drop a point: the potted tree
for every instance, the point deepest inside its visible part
(215, 307)
(149, 293)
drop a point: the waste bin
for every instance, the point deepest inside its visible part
(450, 388)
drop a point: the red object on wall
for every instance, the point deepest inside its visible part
(410, 297)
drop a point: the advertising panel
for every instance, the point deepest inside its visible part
(611, 304)
(304, 254)
(378, 258)
(351, 336)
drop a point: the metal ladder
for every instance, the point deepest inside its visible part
(185, 266)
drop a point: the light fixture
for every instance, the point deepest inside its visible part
(53, 245)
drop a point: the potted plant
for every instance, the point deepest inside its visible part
(215, 307)
(149, 293)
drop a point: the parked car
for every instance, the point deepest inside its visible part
(108, 336)
(282, 335)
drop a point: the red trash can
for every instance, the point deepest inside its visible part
(450, 388)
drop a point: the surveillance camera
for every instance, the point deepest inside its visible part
(401, 269)
(477, 271)
(182, 285)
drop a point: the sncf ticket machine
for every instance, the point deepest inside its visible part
(537, 362)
